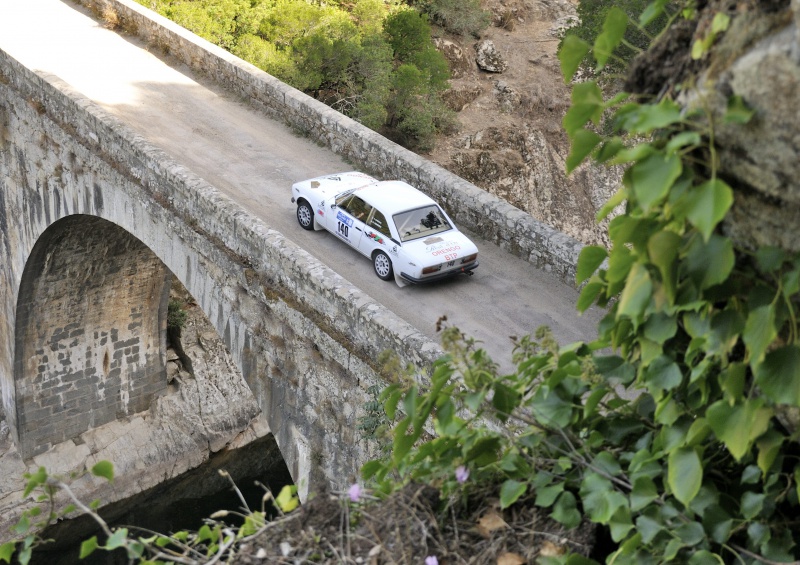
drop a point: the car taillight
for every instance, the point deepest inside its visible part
(429, 270)
(469, 258)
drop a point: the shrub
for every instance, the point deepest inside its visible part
(462, 17)
(670, 430)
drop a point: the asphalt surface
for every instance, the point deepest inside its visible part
(255, 160)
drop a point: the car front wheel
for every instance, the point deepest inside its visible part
(383, 265)
(305, 215)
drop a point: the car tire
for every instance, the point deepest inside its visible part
(305, 215)
(382, 265)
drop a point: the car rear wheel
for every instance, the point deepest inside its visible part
(305, 215)
(383, 265)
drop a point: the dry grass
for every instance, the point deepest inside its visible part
(407, 527)
(110, 19)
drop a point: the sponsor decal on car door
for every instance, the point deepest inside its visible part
(348, 228)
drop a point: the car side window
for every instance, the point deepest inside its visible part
(358, 208)
(343, 201)
(378, 222)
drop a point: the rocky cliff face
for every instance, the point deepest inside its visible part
(757, 59)
(510, 97)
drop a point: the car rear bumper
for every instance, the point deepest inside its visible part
(439, 276)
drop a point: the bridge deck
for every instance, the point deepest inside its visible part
(254, 160)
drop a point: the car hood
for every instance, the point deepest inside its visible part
(435, 248)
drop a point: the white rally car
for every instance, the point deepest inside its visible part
(405, 233)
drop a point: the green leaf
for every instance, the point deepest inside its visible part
(636, 294)
(663, 247)
(644, 492)
(648, 527)
(718, 523)
(698, 432)
(660, 327)
(117, 539)
(287, 499)
(769, 445)
(738, 426)
(600, 500)
(34, 480)
(483, 452)
(505, 400)
(651, 178)
(707, 204)
(591, 257)
(390, 406)
(759, 332)
(613, 31)
(685, 474)
(620, 524)
(770, 258)
(651, 12)
(607, 463)
(104, 469)
(690, 533)
(620, 262)
(572, 52)
(7, 550)
(779, 375)
(616, 199)
(511, 491)
(588, 295)
(546, 496)
(683, 139)
(565, 511)
(663, 374)
(587, 105)
(705, 557)
(550, 409)
(371, 468)
(583, 142)
(752, 503)
(645, 118)
(88, 547)
(709, 263)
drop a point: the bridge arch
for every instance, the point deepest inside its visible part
(90, 331)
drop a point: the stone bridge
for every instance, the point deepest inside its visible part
(95, 222)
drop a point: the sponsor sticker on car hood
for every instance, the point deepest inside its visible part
(441, 247)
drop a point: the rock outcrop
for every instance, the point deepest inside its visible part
(511, 99)
(758, 60)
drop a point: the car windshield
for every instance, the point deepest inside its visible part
(420, 222)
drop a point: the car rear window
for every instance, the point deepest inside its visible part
(420, 222)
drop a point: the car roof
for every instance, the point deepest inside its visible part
(394, 196)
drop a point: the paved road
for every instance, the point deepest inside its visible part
(254, 160)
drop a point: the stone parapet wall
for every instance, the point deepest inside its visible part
(471, 207)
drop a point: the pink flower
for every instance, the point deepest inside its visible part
(431, 560)
(354, 492)
(462, 474)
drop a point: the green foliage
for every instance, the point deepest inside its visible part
(409, 32)
(215, 541)
(176, 315)
(346, 55)
(461, 17)
(696, 462)
(636, 22)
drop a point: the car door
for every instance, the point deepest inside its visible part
(376, 234)
(348, 222)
